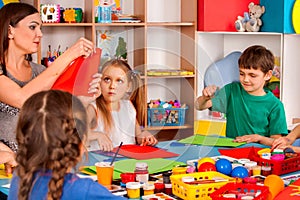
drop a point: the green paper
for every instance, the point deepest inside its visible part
(155, 165)
(211, 141)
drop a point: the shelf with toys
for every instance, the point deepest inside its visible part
(215, 43)
(161, 35)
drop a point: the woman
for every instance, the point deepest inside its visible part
(20, 36)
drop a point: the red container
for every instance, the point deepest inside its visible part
(279, 167)
(127, 177)
(220, 15)
(240, 188)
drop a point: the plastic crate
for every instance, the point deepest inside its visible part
(166, 116)
(200, 191)
(279, 167)
(241, 188)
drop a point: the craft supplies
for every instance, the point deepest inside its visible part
(127, 177)
(148, 188)
(178, 170)
(133, 190)
(104, 173)
(159, 187)
(141, 172)
(250, 165)
(275, 184)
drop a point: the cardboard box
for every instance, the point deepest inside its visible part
(220, 15)
(278, 16)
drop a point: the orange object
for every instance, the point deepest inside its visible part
(104, 173)
(275, 184)
(76, 78)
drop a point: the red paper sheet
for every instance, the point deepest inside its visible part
(144, 152)
(239, 153)
(286, 193)
(76, 78)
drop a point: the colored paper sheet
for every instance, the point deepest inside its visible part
(76, 78)
(288, 191)
(211, 141)
(154, 166)
(144, 152)
(239, 153)
(107, 153)
(3, 173)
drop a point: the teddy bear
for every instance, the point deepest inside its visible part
(251, 21)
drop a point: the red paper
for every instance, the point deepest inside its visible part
(239, 153)
(286, 193)
(144, 152)
(76, 78)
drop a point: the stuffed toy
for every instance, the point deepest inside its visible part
(251, 21)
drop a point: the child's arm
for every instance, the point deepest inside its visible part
(287, 140)
(257, 138)
(7, 157)
(144, 138)
(204, 101)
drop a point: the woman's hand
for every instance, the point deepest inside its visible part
(83, 47)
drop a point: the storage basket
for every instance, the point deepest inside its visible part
(241, 188)
(279, 167)
(200, 191)
(166, 116)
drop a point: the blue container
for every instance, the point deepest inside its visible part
(104, 14)
(278, 16)
(166, 116)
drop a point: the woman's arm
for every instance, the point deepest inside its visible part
(14, 95)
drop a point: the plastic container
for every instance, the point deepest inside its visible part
(178, 170)
(133, 190)
(104, 12)
(279, 167)
(159, 187)
(127, 177)
(199, 191)
(261, 191)
(148, 188)
(141, 172)
(250, 166)
(166, 116)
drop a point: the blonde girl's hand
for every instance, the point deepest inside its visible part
(148, 139)
(105, 142)
(95, 85)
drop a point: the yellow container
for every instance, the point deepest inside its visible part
(148, 188)
(133, 190)
(200, 191)
(179, 170)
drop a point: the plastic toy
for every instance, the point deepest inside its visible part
(3, 2)
(206, 159)
(207, 166)
(224, 166)
(72, 15)
(240, 172)
(251, 22)
(50, 13)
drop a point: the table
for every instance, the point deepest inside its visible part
(186, 152)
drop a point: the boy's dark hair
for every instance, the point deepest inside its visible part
(50, 130)
(257, 57)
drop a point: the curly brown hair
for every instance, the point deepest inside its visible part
(50, 130)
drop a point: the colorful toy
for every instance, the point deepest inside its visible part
(207, 166)
(3, 2)
(73, 15)
(224, 166)
(206, 159)
(251, 22)
(239, 172)
(50, 13)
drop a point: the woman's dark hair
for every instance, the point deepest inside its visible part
(11, 14)
(50, 130)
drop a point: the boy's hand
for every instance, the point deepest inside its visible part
(281, 143)
(248, 138)
(209, 91)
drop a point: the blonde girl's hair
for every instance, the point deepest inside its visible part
(50, 130)
(136, 95)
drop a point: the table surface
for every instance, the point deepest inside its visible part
(186, 152)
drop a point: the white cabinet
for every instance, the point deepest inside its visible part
(212, 46)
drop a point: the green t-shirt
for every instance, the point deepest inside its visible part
(247, 114)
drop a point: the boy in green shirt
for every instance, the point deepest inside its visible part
(253, 113)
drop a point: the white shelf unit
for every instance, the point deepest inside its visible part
(212, 46)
